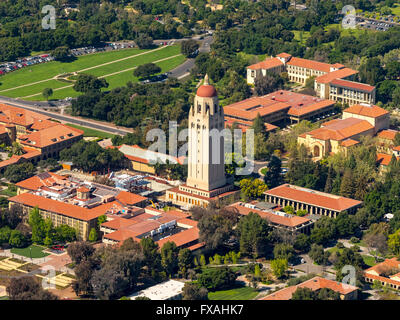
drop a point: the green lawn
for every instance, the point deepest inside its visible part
(37, 251)
(242, 293)
(368, 260)
(88, 132)
(117, 73)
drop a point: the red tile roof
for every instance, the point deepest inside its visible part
(181, 238)
(392, 263)
(129, 198)
(372, 111)
(14, 115)
(384, 159)
(35, 182)
(340, 129)
(309, 64)
(268, 63)
(349, 142)
(353, 85)
(388, 134)
(313, 197)
(55, 206)
(314, 284)
(338, 74)
(291, 221)
(50, 136)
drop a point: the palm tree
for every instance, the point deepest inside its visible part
(17, 149)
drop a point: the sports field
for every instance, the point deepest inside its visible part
(115, 66)
(241, 293)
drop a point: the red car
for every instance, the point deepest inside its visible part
(57, 247)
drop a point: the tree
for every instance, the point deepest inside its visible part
(252, 188)
(93, 235)
(144, 41)
(119, 273)
(216, 278)
(37, 224)
(302, 242)
(216, 228)
(192, 291)
(259, 125)
(253, 233)
(27, 288)
(279, 267)
(189, 47)
(80, 250)
(318, 254)
(146, 70)
(89, 83)
(61, 53)
(268, 83)
(303, 294)
(152, 257)
(17, 239)
(84, 272)
(283, 251)
(273, 176)
(394, 242)
(169, 257)
(47, 92)
(101, 220)
(19, 172)
(184, 261)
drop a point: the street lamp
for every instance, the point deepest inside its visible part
(30, 252)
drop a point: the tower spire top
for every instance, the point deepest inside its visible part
(206, 79)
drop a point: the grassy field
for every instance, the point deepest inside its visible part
(368, 260)
(88, 132)
(30, 82)
(37, 251)
(241, 293)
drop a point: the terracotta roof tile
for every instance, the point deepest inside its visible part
(338, 74)
(314, 284)
(353, 85)
(340, 129)
(49, 136)
(14, 115)
(366, 110)
(55, 206)
(309, 64)
(266, 64)
(387, 134)
(292, 221)
(313, 197)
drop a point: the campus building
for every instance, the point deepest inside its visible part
(386, 141)
(341, 134)
(161, 226)
(387, 273)
(278, 108)
(275, 218)
(346, 291)
(142, 160)
(74, 202)
(332, 81)
(40, 137)
(206, 179)
(312, 201)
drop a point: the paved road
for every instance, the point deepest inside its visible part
(38, 107)
(184, 69)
